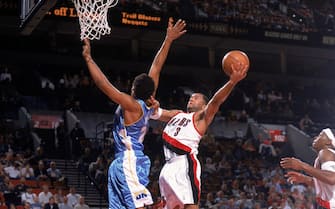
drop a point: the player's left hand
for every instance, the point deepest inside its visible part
(175, 31)
(153, 103)
(86, 50)
(291, 163)
(239, 72)
(294, 177)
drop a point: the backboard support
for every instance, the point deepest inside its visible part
(32, 12)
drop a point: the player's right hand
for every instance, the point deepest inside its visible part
(87, 50)
(239, 72)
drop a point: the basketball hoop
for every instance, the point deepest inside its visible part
(92, 16)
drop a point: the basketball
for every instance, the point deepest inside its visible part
(232, 57)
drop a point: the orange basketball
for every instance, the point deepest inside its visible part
(234, 57)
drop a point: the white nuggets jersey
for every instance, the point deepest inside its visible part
(181, 136)
(325, 193)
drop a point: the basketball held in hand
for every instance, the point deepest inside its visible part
(234, 57)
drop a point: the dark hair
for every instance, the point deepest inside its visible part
(143, 86)
(205, 98)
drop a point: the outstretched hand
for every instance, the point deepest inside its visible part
(175, 31)
(294, 177)
(239, 72)
(291, 163)
(86, 50)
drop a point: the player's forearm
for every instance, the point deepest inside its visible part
(221, 95)
(168, 114)
(327, 177)
(159, 60)
(307, 180)
(97, 75)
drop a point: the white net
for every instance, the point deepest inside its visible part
(92, 16)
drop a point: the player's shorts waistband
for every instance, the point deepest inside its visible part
(136, 152)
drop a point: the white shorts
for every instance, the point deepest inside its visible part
(179, 181)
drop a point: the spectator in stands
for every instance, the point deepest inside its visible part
(41, 172)
(65, 204)
(6, 76)
(27, 171)
(96, 168)
(77, 135)
(59, 196)
(305, 123)
(54, 174)
(44, 195)
(21, 186)
(62, 139)
(209, 167)
(36, 204)
(37, 157)
(51, 204)
(73, 197)
(243, 117)
(26, 205)
(3, 145)
(210, 203)
(28, 196)
(81, 204)
(266, 149)
(10, 195)
(13, 170)
(85, 160)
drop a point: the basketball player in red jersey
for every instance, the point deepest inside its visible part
(322, 175)
(179, 180)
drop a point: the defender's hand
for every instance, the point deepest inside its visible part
(175, 31)
(87, 50)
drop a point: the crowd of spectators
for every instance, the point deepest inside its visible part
(288, 15)
(31, 179)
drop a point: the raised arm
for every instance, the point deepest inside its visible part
(125, 100)
(172, 33)
(239, 72)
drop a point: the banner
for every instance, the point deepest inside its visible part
(45, 121)
(277, 136)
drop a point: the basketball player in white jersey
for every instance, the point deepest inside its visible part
(322, 175)
(179, 180)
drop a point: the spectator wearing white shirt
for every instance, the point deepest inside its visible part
(36, 204)
(44, 195)
(65, 204)
(81, 204)
(13, 171)
(27, 171)
(73, 197)
(54, 173)
(28, 196)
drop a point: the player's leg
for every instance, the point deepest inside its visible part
(114, 192)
